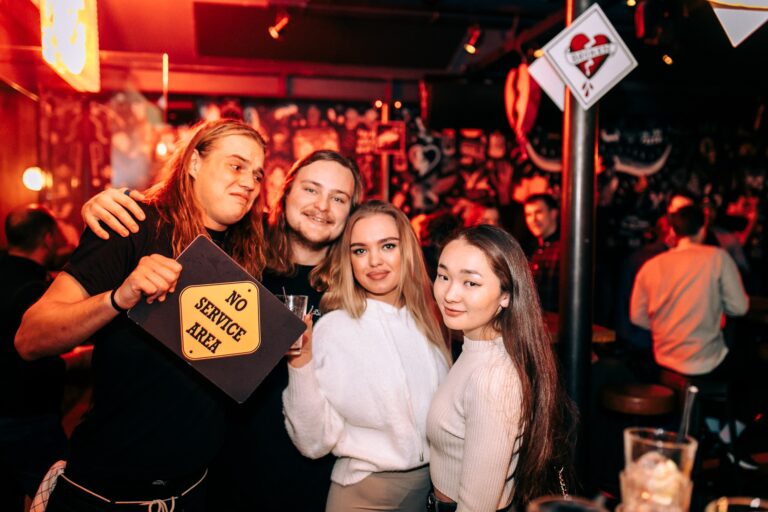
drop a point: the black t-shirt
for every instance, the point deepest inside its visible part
(296, 284)
(261, 469)
(30, 388)
(152, 417)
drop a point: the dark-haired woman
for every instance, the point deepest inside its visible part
(497, 424)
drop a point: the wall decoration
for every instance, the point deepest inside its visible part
(307, 140)
(121, 141)
(390, 138)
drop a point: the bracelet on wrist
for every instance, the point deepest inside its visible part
(115, 305)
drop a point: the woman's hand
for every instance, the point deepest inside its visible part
(305, 356)
(114, 208)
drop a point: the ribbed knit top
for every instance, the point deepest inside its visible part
(366, 393)
(472, 428)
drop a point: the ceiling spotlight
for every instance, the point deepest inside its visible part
(398, 104)
(667, 60)
(281, 21)
(631, 3)
(473, 40)
(538, 53)
(378, 103)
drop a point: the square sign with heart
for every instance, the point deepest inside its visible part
(589, 56)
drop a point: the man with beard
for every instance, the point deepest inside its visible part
(318, 195)
(260, 469)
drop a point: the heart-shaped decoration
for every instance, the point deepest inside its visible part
(424, 157)
(589, 54)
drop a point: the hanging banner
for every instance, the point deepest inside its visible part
(521, 100)
(740, 18)
(546, 76)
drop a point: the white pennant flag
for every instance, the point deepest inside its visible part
(740, 19)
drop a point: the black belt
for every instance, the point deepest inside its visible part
(435, 505)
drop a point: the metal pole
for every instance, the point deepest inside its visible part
(577, 242)
(385, 157)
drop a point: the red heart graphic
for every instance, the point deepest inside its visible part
(589, 64)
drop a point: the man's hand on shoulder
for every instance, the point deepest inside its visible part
(115, 207)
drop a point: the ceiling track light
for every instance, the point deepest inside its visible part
(281, 21)
(473, 39)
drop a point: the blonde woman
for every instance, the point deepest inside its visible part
(362, 388)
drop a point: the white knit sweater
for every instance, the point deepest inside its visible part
(366, 393)
(473, 428)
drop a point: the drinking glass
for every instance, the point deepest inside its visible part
(298, 305)
(657, 472)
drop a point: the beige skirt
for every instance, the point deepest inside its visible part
(401, 491)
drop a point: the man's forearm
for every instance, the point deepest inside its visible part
(53, 327)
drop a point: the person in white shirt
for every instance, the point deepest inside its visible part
(498, 426)
(681, 295)
(362, 385)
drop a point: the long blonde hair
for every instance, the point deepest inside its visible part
(414, 288)
(175, 199)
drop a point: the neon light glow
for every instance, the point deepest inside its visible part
(70, 41)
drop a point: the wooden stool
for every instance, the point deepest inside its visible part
(638, 399)
(628, 405)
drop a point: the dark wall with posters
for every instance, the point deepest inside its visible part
(719, 154)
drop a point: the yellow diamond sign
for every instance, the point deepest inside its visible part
(219, 320)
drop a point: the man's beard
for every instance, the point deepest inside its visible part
(297, 238)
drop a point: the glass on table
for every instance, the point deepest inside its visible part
(298, 305)
(657, 472)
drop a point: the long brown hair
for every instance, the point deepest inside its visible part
(175, 199)
(547, 416)
(414, 288)
(279, 251)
